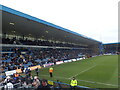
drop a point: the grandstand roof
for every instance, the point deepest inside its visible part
(111, 43)
(31, 26)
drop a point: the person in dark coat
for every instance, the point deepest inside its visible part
(37, 71)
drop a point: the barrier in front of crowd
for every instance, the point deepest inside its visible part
(19, 70)
(64, 61)
(64, 85)
(38, 66)
(53, 84)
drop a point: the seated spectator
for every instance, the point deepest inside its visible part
(44, 84)
(9, 85)
(8, 78)
(36, 82)
(51, 84)
(29, 80)
(16, 75)
(15, 80)
(36, 42)
(21, 79)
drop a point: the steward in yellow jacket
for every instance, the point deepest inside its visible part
(73, 83)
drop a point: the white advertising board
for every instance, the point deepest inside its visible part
(73, 59)
(59, 62)
(10, 72)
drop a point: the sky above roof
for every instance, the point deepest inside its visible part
(97, 19)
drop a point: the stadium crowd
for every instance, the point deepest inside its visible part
(21, 58)
(36, 42)
(18, 81)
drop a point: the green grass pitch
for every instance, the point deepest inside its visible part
(96, 72)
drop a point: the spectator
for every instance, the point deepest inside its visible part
(37, 71)
(45, 84)
(28, 72)
(21, 79)
(9, 86)
(36, 83)
(7, 79)
(51, 84)
(22, 69)
(16, 75)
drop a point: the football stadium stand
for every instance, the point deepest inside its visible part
(112, 48)
(30, 43)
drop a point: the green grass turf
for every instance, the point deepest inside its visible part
(96, 72)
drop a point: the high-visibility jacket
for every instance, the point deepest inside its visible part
(51, 70)
(73, 83)
(16, 75)
(50, 82)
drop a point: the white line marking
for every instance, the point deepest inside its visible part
(83, 71)
(99, 83)
(85, 81)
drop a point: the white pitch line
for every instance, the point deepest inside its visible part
(99, 83)
(85, 81)
(83, 71)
